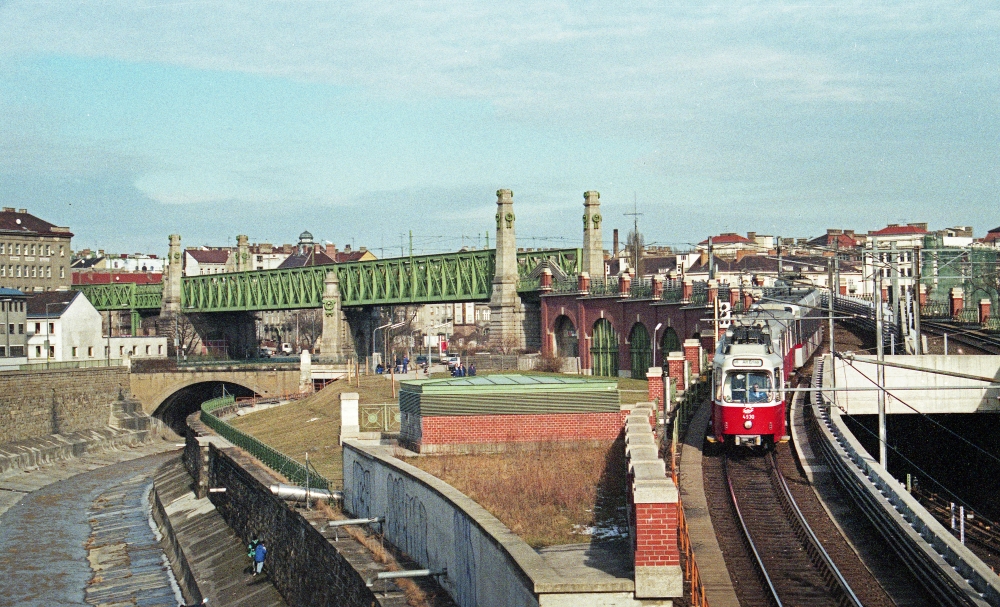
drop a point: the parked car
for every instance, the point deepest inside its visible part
(421, 360)
(265, 352)
(453, 361)
(286, 348)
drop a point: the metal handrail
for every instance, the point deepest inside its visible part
(270, 457)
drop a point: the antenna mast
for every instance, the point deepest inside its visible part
(635, 230)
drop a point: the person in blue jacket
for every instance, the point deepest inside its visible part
(259, 554)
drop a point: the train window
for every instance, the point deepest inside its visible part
(747, 387)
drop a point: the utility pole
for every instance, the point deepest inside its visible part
(918, 343)
(894, 273)
(829, 270)
(711, 262)
(883, 452)
(779, 257)
(635, 230)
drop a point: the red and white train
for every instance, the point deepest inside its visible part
(754, 360)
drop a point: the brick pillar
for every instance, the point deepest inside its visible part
(675, 369)
(657, 559)
(583, 283)
(708, 345)
(843, 289)
(713, 291)
(657, 287)
(984, 310)
(957, 303)
(655, 378)
(747, 300)
(734, 295)
(624, 283)
(687, 289)
(923, 295)
(545, 280)
(692, 354)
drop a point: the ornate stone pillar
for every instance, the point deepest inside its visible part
(593, 243)
(243, 253)
(330, 340)
(171, 302)
(506, 312)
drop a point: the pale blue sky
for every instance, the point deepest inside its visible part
(360, 121)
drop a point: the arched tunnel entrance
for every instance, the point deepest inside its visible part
(175, 409)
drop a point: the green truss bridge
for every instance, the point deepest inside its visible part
(448, 277)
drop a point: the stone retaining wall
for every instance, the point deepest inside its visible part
(307, 568)
(38, 403)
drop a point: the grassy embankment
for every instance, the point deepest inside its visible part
(548, 496)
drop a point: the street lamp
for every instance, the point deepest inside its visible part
(658, 326)
(429, 329)
(387, 325)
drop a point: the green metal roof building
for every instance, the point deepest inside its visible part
(508, 395)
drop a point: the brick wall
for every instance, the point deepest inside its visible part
(692, 354)
(655, 378)
(447, 433)
(656, 535)
(37, 403)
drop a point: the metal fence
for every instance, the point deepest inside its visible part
(71, 364)
(272, 458)
(384, 417)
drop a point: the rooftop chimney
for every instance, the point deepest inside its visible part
(25, 211)
(834, 232)
(614, 248)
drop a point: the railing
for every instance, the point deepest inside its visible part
(609, 287)
(251, 401)
(384, 417)
(71, 364)
(967, 316)
(693, 396)
(672, 294)
(641, 289)
(566, 286)
(935, 309)
(272, 458)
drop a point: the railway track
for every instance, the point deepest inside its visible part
(975, 338)
(791, 562)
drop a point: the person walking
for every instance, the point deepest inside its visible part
(259, 554)
(406, 363)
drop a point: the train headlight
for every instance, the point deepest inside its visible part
(748, 424)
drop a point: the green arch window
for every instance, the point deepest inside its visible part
(604, 349)
(641, 350)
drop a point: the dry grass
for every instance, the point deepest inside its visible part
(547, 496)
(313, 424)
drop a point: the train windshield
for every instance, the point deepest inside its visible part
(747, 387)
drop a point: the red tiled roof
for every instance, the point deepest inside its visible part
(992, 235)
(14, 221)
(343, 257)
(727, 239)
(899, 231)
(843, 241)
(104, 278)
(216, 256)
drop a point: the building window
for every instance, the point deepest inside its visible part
(159, 349)
(107, 351)
(20, 329)
(74, 351)
(52, 328)
(38, 328)
(3, 271)
(121, 350)
(32, 249)
(48, 271)
(90, 352)
(34, 272)
(52, 351)
(147, 350)
(62, 251)
(3, 248)
(17, 351)
(18, 271)
(134, 349)
(18, 249)
(62, 272)
(3, 351)
(38, 351)
(11, 329)
(48, 250)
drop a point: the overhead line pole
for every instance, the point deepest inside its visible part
(883, 451)
(918, 342)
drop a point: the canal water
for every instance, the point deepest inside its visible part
(86, 540)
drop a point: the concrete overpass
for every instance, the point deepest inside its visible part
(945, 385)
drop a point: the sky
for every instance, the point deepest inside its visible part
(363, 121)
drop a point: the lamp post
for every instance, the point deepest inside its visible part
(658, 326)
(429, 329)
(387, 325)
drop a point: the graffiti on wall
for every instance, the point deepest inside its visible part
(406, 520)
(464, 575)
(362, 485)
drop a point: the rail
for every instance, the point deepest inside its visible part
(71, 364)
(947, 569)
(270, 457)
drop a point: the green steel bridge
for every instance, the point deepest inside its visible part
(448, 277)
